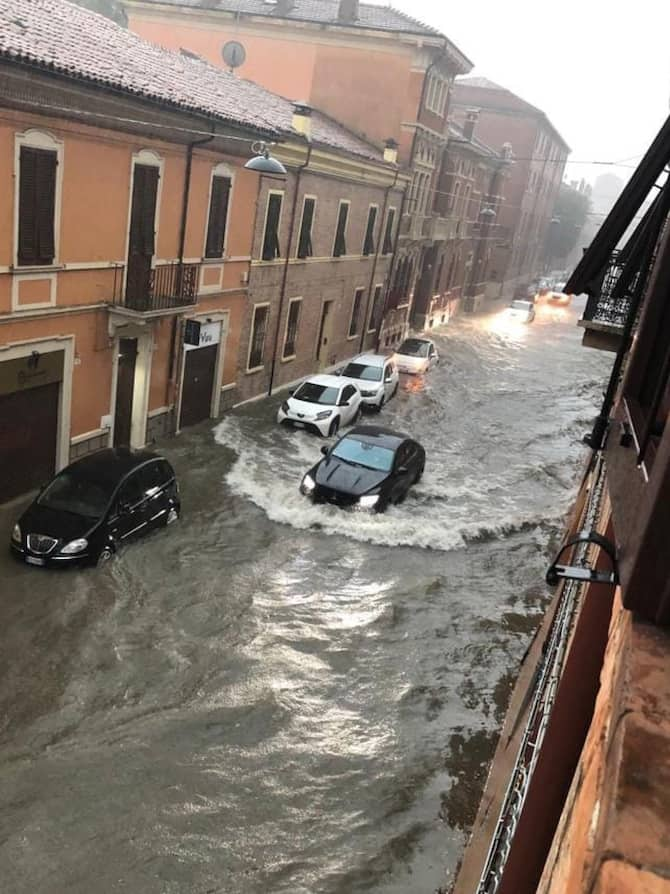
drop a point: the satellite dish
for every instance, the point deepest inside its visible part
(233, 54)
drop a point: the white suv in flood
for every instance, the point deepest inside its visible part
(375, 375)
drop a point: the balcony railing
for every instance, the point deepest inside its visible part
(440, 229)
(411, 226)
(161, 288)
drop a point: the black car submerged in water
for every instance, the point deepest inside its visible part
(90, 508)
(369, 467)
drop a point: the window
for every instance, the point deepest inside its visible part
(436, 95)
(387, 247)
(369, 241)
(257, 342)
(218, 215)
(291, 328)
(376, 312)
(305, 238)
(131, 493)
(271, 248)
(347, 394)
(340, 246)
(455, 197)
(37, 206)
(356, 312)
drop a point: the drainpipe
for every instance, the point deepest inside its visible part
(393, 265)
(282, 290)
(380, 242)
(172, 377)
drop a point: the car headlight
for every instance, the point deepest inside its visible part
(324, 414)
(308, 484)
(16, 534)
(368, 501)
(75, 546)
(284, 407)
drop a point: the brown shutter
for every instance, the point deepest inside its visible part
(143, 214)
(218, 215)
(387, 248)
(369, 244)
(340, 247)
(271, 248)
(37, 205)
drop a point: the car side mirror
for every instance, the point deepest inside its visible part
(124, 506)
(291, 392)
(344, 403)
(402, 470)
(324, 450)
(338, 372)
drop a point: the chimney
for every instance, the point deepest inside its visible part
(390, 151)
(284, 7)
(471, 116)
(348, 11)
(302, 119)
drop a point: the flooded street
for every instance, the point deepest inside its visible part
(277, 697)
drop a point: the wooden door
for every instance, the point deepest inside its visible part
(125, 384)
(196, 395)
(325, 333)
(28, 439)
(141, 241)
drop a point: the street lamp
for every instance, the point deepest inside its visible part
(263, 162)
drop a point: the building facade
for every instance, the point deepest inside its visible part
(134, 237)
(378, 71)
(539, 155)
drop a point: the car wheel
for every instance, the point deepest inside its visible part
(334, 426)
(105, 554)
(381, 403)
(419, 475)
(172, 516)
(357, 415)
(395, 390)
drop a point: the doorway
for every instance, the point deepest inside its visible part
(199, 372)
(141, 237)
(125, 386)
(324, 333)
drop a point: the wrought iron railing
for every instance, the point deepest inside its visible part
(163, 287)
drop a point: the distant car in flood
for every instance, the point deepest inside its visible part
(520, 311)
(368, 468)
(94, 506)
(321, 404)
(557, 295)
(375, 375)
(416, 355)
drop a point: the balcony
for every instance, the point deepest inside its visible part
(605, 314)
(440, 229)
(411, 227)
(155, 291)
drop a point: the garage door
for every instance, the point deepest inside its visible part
(196, 398)
(28, 433)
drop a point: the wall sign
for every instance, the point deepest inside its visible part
(31, 372)
(208, 334)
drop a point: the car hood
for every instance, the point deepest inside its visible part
(347, 479)
(55, 523)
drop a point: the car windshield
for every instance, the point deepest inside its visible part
(520, 305)
(71, 492)
(317, 394)
(363, 371)
(361, 453)
(414, 347)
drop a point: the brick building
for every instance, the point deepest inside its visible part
(130, 225)
(378, 71)
(539, 154)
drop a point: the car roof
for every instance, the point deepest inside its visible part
(370, 359)
(113, 464)
(325, 380)
(386, 437)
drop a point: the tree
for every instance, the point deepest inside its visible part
(568, 219)
(112, 9)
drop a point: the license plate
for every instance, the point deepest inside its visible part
(299, 424)
(31, 560)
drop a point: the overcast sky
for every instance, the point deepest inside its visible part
(600, 69)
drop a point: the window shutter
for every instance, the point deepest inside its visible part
(340, 247)
(369, 244)
(271, 237)
(37, 206)
(388, 234)
(305, 241)
(218, 215)
(143, 214)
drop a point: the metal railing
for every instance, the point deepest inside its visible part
(160, 288)
(548, 676)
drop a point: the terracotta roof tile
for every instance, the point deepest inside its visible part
(59, 36)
